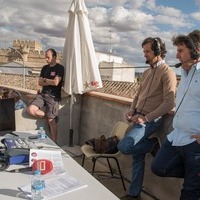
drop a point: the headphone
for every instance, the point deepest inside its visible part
(194, 54)
(156, 47)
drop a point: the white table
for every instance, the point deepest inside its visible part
(9, 182)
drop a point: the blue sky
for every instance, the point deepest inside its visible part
(122, 23)
(183, 5)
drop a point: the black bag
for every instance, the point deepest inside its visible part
(103, 144)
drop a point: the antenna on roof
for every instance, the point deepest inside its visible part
(110, 50)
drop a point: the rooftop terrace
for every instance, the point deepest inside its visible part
(94, 114)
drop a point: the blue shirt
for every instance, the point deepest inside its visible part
(186, 121)
(19, 105)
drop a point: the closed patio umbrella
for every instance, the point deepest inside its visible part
(79, 58)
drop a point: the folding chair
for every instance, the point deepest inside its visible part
(119, 129)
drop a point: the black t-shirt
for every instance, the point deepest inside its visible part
(50, 73)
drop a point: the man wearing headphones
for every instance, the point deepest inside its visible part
(179, 155)
(155, 98)
(51, 79)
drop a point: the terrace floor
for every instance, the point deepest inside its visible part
(113, 184)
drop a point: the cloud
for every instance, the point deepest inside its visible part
(118, 24)
(150, 4)
(170, 16)
(197, 2)
(129, 20)
(138, 4)
(196, 16)
(98, 19)
(173, 21)
(169, 11)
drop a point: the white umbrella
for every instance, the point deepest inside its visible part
(79, 58)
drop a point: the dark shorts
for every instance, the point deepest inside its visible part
(51, 104)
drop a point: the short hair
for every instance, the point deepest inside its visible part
(16, 94)
(53, 51)
(157, 45)
(191, 41)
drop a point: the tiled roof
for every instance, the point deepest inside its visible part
(119, 88)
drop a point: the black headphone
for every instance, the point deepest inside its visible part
(194, 54)
(156, 47)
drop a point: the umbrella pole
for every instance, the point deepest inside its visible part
(71, 131)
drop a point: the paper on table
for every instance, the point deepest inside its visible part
(54, 156)
(57, 186)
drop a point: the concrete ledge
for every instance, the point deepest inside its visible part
(24, 122)
(110, 97)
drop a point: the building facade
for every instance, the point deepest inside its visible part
(31, 55)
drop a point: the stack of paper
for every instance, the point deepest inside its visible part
(57, 186)
(54, 156)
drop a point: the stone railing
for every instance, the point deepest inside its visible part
(15, 80)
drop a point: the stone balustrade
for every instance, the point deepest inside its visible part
(15, 80)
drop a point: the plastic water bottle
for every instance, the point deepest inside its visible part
(42, 135)
(37, 186)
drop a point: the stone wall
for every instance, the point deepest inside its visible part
(15, 80)
(98, 115)
(33, 45)
(31, 50)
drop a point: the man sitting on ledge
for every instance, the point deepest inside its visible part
(51, 79)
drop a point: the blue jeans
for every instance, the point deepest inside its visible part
(138, 151)
(180, 162)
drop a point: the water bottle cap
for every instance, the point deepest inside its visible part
(37, 172)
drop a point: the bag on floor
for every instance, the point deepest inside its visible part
(103, 144)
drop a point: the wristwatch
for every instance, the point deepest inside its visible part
(44, 80)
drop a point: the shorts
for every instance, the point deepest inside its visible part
(51, 104)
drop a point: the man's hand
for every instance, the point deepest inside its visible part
(139, 119)
(197, 137)
(129, 115)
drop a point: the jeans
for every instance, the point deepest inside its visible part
(138, 151)
(180, 162)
